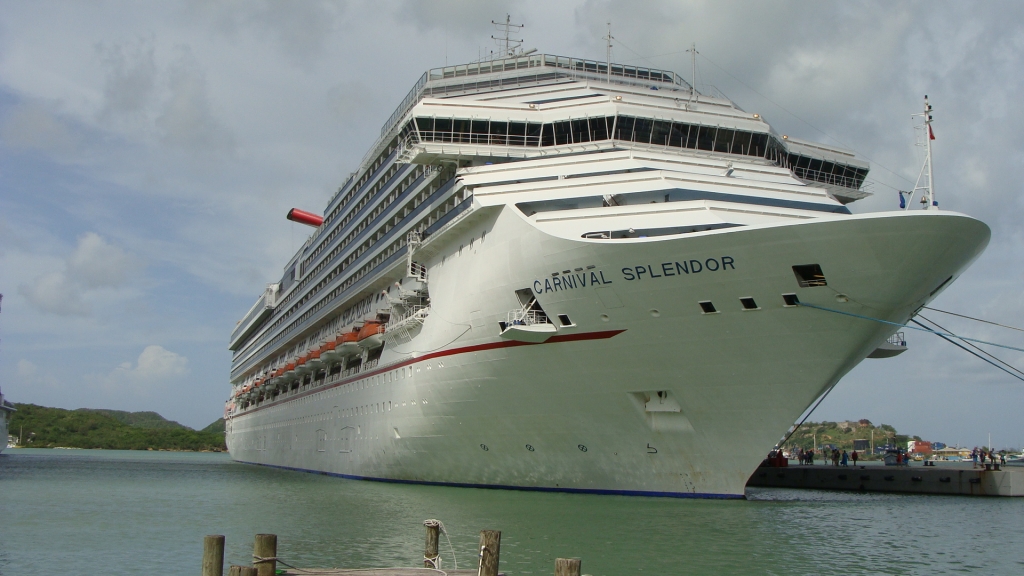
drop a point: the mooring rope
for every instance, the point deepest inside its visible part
(973, 318)
(327, 571)
(922, 329)
(440, 526)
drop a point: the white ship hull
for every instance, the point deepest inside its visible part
(5, 416)
(458, 405)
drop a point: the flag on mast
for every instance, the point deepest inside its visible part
(931, 135)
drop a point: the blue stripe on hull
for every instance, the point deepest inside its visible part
(504, 487)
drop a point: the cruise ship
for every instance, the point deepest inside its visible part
(6, 409)
(552, 273)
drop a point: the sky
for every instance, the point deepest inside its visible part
(150, 150)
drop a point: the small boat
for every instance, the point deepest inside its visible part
(371, 335)
(348, 343)
(329, 351)
(314, 362)
(300, 365)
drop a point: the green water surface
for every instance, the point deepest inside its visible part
(113, 512)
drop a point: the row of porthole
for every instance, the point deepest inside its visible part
(708, 307)
(530, 448)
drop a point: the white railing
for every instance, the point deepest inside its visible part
(400, 326)
(524, 317)
(897, 339)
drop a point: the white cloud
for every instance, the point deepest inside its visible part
(97, 264)
(155, 368)
(56, 293)
(94, 264)
(155, 365)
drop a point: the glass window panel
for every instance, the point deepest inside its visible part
(548, 136)
(723, 140)
(815, 165)
(741, 142)
(533, 134)
(624, 128)
(580, 131)
(706, 138)
(425, 124)
(677, 137)
(661, 132)
(562, 132)
(642, 130)
(599, 128)
(757, 144)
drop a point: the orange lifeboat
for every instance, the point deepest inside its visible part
(329, 352)
(300, 365)
(314, 361)
(371, 335)
(289, 372)
(347, 343)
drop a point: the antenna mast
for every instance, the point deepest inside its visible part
(508, 46)
(924, 179)
(693, 69)
(608, 58)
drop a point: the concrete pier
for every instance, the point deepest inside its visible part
(915, 479)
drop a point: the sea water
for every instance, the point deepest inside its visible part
(114, 512)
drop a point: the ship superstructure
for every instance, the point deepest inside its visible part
(6, 409)
(555, 273)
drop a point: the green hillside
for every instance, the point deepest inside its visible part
(216, 427)
(138, 419)
(42, 427)
(842, 434)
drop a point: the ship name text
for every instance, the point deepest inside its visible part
(678, 268)
(634, 273)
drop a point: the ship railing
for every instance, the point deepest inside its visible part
(828, 178)
(400, 326)
(523, 317)
(898, 339)
(418, 271)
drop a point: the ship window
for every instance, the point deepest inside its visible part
(790, 300)
(564, 320)
(809, 275)
(707, 307)
(748, 304)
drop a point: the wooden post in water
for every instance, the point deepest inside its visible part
(430, 550)
(265, 547)
(237, 570)
(490, 548)
(567, 566)
(213, 555)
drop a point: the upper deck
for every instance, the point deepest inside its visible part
(528, 108)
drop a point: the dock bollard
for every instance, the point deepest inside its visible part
(567, 566)
(490, 549)
(430, 550)
(236, 570)
(265, 547)
(213, 555)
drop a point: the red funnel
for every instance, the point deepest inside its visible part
(303, 217)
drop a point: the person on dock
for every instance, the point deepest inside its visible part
(854, 456)
(845, 461)
(974, 457)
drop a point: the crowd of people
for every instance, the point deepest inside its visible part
(834, 455)
(980, 454)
